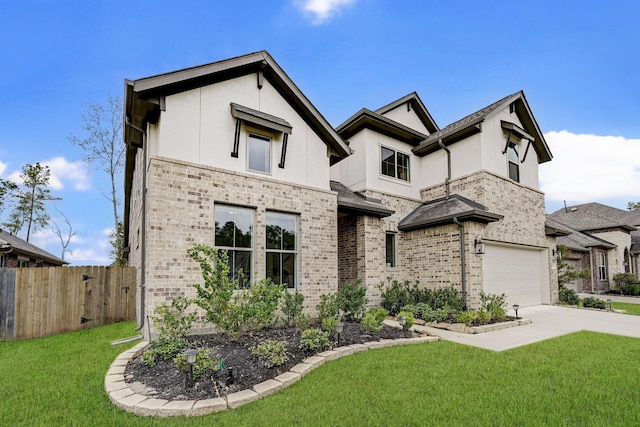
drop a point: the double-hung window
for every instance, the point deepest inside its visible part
(259, 153)
(394, 164)
(602, 266)
(514, 161)
(234, 233)
(281, 244)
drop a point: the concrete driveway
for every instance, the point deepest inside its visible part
(548, 321)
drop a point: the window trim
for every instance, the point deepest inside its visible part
(396, 164)
(515, 147)
(602, 266)
(294, 252)
(259, 136)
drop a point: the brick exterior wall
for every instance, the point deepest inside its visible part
(180, 213)
(11, 261)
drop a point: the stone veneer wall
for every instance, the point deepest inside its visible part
(180, 206)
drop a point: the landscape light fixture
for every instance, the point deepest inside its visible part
(403, 322)
(478, 245)
(230, 376)
(609, 304)
(191, 355)
(515, 308)
(339, 329)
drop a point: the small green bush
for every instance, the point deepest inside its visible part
(204, 362)
(466, 317)
(271, 352)
(409, 316)
(633, 289)
(329, 324)
(328, 307)
(568, 296)
(314, 340)
(593, 302)
(292, 306)
(483, 316)
(395, 295)
(495, 305)
(372, 320)
(625, 281)
(351, 300)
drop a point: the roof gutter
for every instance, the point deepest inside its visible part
(143, 231)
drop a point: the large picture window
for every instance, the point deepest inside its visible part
(234, 233)
(259, 153)
(394, 164)
(281, 244)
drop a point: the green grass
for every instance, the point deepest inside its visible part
(584, 379)
(628, 307)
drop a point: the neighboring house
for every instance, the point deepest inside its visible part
(602, 239)
(233, 155)
(16, 253)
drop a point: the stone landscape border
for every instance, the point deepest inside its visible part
(129, 400)
(461, 327)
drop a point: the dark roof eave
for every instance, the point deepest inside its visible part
(431, 144)
(419, 108)
(555, 232)
(379, 123)
(469, 216)
(352, 208)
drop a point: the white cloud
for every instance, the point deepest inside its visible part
(92, 250)
(322, 10)
(588, 168)
(3, 167)
(62, 171)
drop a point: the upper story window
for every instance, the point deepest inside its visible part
(282, 248)
(513, 159)
(394, 164)
(234, 233)
(259, 153)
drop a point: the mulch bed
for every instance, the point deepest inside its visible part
(165, 381)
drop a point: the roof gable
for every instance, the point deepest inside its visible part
(413, 103)
(596, 216)
(472, 124)
(144, 98)
(367, 119)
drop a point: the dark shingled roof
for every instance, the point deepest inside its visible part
(574, 239)
(355, 203)
(9, 242)
(443, 211)
(595, 216)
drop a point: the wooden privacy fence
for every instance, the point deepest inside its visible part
(41, 301)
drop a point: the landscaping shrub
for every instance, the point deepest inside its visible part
(483, 316)
(351, 300)
(329, 324)
(625, 283)
(328, 307)
(292, 306)
(594, 302)
(409, 316)
(447, 297)
(204, 363)
(372, 320)
(173, 324)
(271, 352)
(425, 312)
(568, 296)
(495, 305)
(314, 340)
(229, 311)
(395, 295)
(466, 317)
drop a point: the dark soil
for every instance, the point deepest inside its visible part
(165, 381)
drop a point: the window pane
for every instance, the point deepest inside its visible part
(242, 267)
(514, 172)
(388, 158)
(512, 153)
(289, 227)
(390, 250)
(259, 153)
(289, 270)
(225, 228)
(274, 235)
(273, 267)
(403, 167)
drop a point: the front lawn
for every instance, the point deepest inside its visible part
(629, 308)
(579, 379)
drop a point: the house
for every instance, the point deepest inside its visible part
(232, 154)
(16, 253)
(603, 239)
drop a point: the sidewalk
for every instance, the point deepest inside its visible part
(616, 298)
(547, 322)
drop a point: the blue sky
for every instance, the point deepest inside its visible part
(577, 61)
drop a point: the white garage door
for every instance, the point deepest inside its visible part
(519, 273)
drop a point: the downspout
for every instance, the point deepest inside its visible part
(463, 273)
(143, 226)
(448, 179)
